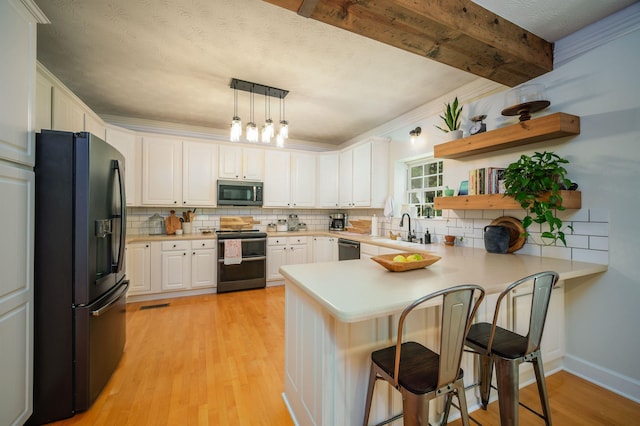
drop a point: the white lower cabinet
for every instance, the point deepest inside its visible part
(325, 249)
(203, 263)
(285, 251)
(138, 263)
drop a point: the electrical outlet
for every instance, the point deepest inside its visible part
(468, 227)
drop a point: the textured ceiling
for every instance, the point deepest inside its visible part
(172, 61)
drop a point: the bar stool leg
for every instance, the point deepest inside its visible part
(542, 389)
(415, 410)
(507, 375)
(372, 383)
(462, 399)
(486, 372)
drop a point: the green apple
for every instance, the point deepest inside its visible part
(399, 258)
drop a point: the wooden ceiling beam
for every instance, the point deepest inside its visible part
(458, 33)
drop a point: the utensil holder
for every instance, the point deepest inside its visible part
(496, 239)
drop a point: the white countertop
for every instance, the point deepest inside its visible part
(356, 290)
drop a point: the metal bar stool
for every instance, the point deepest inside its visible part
(421, 374)
(507, 350)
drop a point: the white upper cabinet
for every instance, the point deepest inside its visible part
(94, 125)
(289, 179)
(303, 180)
(161, 171)
(199, 171)
(128, 144)
(277, 182)
(355, 176)
(327, 180)
(241, 163)
(379, 172)
(44, 90)
(176, 173)
(67, 115)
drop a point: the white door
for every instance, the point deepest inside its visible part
(176, 266)
(303, 180)
(253, 164)
(327, 180)
(129, 145)
(230, 162)
(203, 268)
(362, 175)
(161, 172)
(297, 254)
(345, 190)
(276, 257)
(138, 268)
(199, 171)
(277, 181)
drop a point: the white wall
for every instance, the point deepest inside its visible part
(600, 86)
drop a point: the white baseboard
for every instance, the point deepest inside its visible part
(605, 378)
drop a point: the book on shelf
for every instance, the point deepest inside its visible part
(486, 180)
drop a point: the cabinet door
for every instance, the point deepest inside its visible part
(379, 173)
(230, 162)
(94, 125)
(67, 115)
(199, 171)
(303, 180)
(17, 83)
(327, 180)
(362, 175)
(129, 146)
(16, 291)
(161, 172)
(253, 164)
(139, 268)
(277, 180)
(176, 267)
(203, 268)
(276, 257)
(325, 249)
(43, 103)
(297, 254)
(345, 191)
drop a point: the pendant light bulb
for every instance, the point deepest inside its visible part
(236, 122)
(252, 129)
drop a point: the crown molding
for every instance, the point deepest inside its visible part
(35, 11)
(601, 32)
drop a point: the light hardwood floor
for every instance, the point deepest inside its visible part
(219, 360)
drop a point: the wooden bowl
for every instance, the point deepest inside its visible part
(386, 260)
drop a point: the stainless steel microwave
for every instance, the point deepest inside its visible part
(239, 193)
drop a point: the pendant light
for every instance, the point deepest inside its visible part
(252, 129)
(267, 129)
(236, 122)
(284, 125)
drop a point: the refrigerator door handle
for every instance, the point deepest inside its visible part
(123, 215)
(113, 299)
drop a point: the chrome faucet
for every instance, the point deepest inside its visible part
(410, 236)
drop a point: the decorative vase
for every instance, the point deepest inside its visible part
(496, 239)
(454, 134)
(449, 240)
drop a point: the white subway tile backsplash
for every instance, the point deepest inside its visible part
(573, 215)
(591, 228)
(556, 252)
(577, 241)
(598, 243)
(598, 215)
(593, 256)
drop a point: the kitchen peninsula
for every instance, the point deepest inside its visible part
(338, 312)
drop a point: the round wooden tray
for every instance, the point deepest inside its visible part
(516, 240)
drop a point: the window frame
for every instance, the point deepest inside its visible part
(417, 197)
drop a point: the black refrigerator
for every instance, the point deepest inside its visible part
(79, 275)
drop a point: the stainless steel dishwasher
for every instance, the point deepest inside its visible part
(348, 249)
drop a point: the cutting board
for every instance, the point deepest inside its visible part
(172, 222)
(233, 223)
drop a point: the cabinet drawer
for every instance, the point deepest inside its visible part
(176, 245)
(297, 240)
(276, 241)
(203, 244)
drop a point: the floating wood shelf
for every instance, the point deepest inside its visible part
(570, 200)
(552, 126)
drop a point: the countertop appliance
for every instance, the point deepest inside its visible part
(251, 272)
(337, 222)
(348, 249)
(79, 273)
(239, 193)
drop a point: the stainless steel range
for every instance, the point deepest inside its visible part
(251, 272)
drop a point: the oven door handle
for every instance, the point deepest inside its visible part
(248, 259)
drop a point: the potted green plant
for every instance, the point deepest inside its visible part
(535, 182)
(451, 118)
